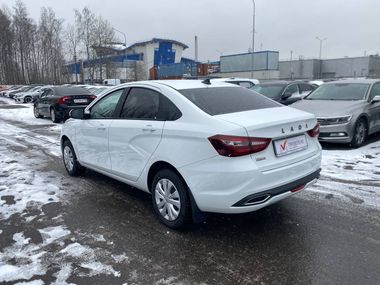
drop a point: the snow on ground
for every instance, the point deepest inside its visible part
(349, 177)
(24, 192)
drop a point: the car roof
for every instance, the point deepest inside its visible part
(182, 84)
(70, 90)
(346, 81)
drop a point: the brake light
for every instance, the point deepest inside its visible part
(64, 100)
(314, 132)
(92, 97)
(237, 146)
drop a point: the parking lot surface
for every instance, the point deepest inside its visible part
(56, 229)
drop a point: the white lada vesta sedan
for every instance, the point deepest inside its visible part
(196, 146)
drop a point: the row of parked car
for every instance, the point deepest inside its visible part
(347, 110)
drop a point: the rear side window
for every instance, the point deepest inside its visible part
(224, 100)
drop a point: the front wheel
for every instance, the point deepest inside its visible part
(170, 198)
(73, 167)
(360, 133)
(28, 99)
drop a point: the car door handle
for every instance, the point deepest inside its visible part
(149, 128)
(101, 129)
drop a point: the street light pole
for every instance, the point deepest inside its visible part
(125, 37)
(320, 54)
(253, 36)
(320, 45)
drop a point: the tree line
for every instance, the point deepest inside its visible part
(37, 51)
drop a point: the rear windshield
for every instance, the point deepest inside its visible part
(224, 100)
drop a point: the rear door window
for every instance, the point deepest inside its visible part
(305, 87)
(224, 100)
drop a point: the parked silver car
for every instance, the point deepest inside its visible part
(347, 110)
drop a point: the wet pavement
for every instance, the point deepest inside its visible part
(108, 233)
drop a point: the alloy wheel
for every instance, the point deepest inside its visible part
(68, 158)
(360, 133)
(167, 199)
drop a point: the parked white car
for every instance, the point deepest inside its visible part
(196, 146)
(243, 82)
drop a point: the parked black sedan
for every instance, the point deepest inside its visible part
(284, 92)
(56, 102)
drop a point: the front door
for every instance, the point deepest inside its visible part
(92, 133)
(374, 109)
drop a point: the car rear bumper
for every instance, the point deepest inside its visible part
(241, 187)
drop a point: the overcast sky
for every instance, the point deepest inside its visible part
(225, 26)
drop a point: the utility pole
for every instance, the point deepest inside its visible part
(320, 54)
(291, 65)
(253, 36)
(196, 48)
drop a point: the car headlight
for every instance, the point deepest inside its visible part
(336, 121)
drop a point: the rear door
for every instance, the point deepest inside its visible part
(44, 103)
(136, 134)
(92, 133)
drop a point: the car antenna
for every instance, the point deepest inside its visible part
(206, 81)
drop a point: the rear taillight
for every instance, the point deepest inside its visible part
(92, 97)
(238, 146)
(64, 100)
(314, 132)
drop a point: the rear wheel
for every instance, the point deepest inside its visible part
(36, 113)
(53, 116)
(170, 199)
(73, 167)
(28, 99)
(360, 133)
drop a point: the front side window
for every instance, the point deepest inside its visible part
(291, 89)
(141, 104)
(245, 84)
(375, 90)
(105, 108)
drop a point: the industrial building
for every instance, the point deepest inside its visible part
(347, 67)
(263, 65)
(128, 63)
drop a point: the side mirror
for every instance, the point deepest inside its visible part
(376, 99)
(77, 114)
(286, 95)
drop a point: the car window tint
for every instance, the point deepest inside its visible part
(105, 108)
(167, 111)
(224, 100)
(141, 103)
(305, 87)
(375, 90)
(291, 89)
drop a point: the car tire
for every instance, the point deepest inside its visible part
(73, 167)
(170, 199)
(360, 133)
(36, 113)
(53, 115)
(28, 99)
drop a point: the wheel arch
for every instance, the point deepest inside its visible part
(197, 215)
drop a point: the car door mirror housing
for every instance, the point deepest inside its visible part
(376, 99)
(286, 95)
(77, 114)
